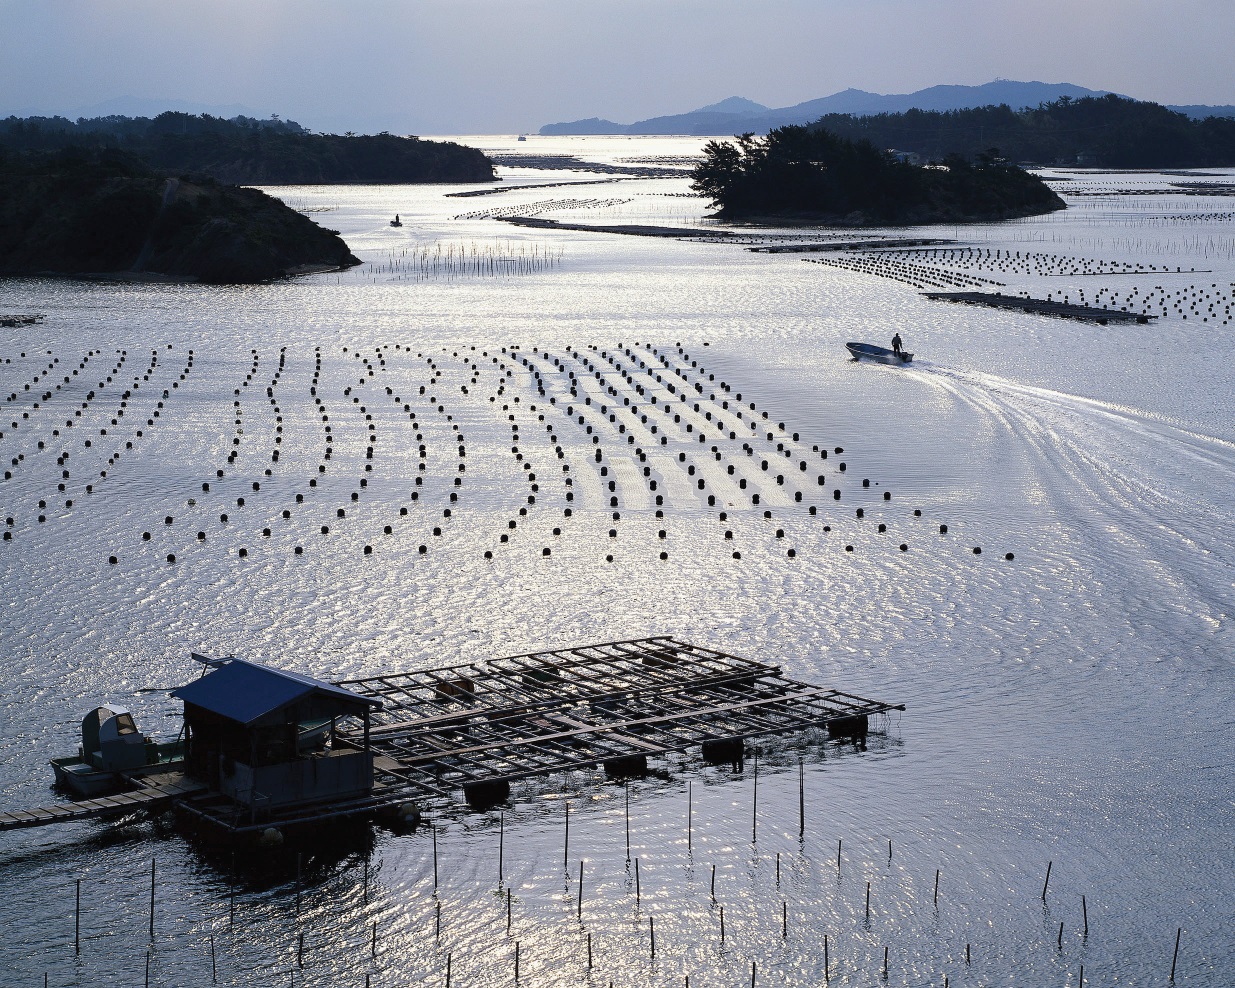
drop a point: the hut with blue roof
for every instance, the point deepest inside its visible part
(265, 739)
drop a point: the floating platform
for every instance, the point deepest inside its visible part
(1042, 306)
(903, 243)
(474, 729)
(479, 727)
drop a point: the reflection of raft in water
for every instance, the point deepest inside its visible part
(256, 755)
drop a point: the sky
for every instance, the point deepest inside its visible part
(507, 66)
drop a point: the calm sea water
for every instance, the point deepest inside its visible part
(1068, 707)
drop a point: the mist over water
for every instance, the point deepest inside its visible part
(1070, 705)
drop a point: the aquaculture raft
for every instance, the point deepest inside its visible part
(1042, 306)
(481, 726)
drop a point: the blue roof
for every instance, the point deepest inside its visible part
(246, 692)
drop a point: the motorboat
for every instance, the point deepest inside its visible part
(881, 354)
(112, 750)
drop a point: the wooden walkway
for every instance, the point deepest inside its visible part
(1042, 307)
(614, 704)
(138, 800)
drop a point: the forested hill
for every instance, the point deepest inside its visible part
(103, 212)
(1106, 131)
(244, 151)
(812, 175)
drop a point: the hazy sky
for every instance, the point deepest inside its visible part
(501, 66)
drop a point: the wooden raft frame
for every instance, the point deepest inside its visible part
(481, 725)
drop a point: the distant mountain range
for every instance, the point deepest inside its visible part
(737, 115)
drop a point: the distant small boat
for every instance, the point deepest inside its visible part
(878, 353)
(396, 221)
(523, 137)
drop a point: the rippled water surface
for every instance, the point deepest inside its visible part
(1069, 706)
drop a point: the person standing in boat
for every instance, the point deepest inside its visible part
(896, 344)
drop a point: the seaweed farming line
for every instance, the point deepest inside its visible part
(459, 260)
(537, 208)
(595, 913)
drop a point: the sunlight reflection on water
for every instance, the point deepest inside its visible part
(1065, 706)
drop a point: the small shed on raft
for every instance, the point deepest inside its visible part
(264, 738)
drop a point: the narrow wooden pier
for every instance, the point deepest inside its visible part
(155, 797)
(1042, 306)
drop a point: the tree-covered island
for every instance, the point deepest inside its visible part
(811, 175)
(142, 197)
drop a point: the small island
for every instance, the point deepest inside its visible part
(103, 212)
(806, 175)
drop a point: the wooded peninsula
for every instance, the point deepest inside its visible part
(103, 212)
(1097, 131)
(246, 151)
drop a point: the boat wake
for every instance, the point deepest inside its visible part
(1147, 501)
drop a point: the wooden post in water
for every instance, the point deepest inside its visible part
(868, 902)
(501, 846)
(778, 869)
(637, 893)
(433, 827)
(1175, 956)
(147, 967)
(752, 974)
(214, 966)
(754, 808)
(652, 934)
(589, 951)
(1059, 939)
(784, 920)
(936, 886)
(627, 786)
(566, 839)
(885, 961)
(581, 890)
(373, 945)
(300, 950)
(689, 824)
(1085, 915)
(437, 928)
(516, 962)
(722, 926)
(826, 975)
(801, 798)
(1048, 879)
(889, 848)
(77, 921)
(508, 896)
(152, 898)
(713, 883)
(838, 846)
